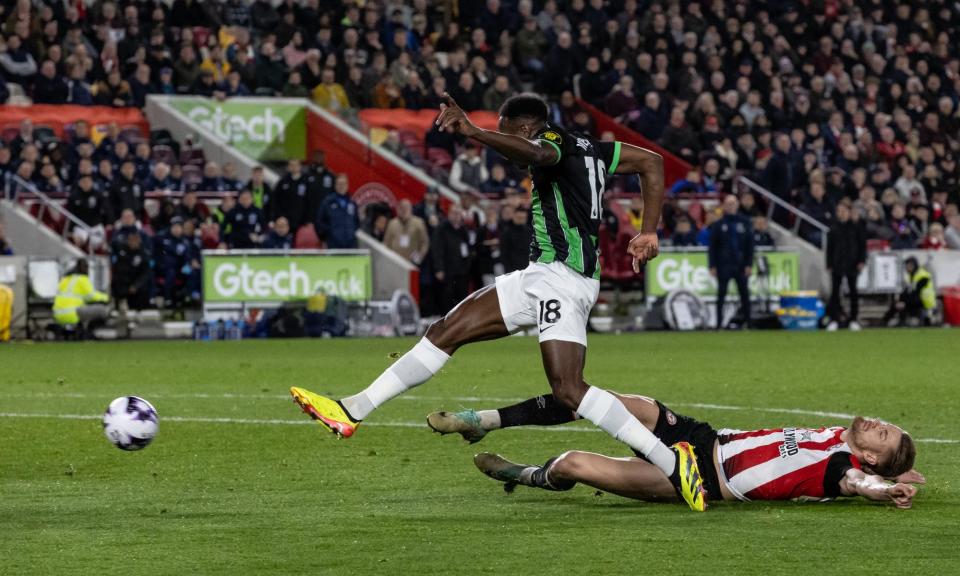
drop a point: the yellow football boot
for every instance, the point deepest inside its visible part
(327, 412)
(686, 479)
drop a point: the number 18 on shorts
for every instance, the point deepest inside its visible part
(552, 297)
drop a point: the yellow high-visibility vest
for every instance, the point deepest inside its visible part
(928, 294)
(73, 292)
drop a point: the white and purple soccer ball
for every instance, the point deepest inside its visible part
(130, 423)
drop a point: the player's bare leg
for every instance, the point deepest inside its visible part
(627, 477)
(475, 319)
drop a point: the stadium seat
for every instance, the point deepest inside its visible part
(306, 239)
(194, 156)
(878, 245)
(695, 210)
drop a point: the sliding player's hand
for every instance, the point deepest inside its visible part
(453, 119)
(911, 477)
(902, 495)
(643, 248)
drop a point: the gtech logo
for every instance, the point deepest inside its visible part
(263, 127)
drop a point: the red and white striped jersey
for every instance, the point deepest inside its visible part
(784, 463)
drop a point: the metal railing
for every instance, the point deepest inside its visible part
(800, 218)
(18, 189)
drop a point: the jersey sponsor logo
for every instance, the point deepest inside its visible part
(553, 137)
(789, 446)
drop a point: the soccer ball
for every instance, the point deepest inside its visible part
(130, 423)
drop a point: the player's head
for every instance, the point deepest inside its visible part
(886, 449)
(522, 115)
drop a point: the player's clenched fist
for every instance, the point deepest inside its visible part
(902, 495)
(453, 119)
(643, 248)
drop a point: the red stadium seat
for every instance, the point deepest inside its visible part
(306, 238)
(877, 245)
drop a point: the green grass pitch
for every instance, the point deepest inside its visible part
(239, 482)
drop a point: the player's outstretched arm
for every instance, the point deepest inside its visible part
(649, 166)
(516, 149)
(858, 483)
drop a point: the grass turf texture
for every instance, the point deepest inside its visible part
(245, 498)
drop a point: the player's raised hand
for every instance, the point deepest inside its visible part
(902, 495)
(643, 248)
(452, 118)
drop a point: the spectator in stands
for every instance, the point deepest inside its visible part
(140, 85)
(338, 219)
(234, 86)
(469, 171)
(514, 239)
(16, 61)
(131, 274)
(679, 138)
(907, 185)
(498, 93)
(904, 236)
(270, 69)
(161, 180)
(5, 248)
(294, 87)
(323, 177)
(90, 206)
(846, 257)
(49, 88)
(295, 197)
(731, 257)
(952, 232)
(212, 181)
(192, 210)
(684, 233)
(499, 184)
(126, 191)
(279, 237)
(243, 224)
(186, 69)
(329, 94)
(113, 91)
(406, 234)
(819, 208)
(451, 258)
(935, 238)
(918, 299)
(691, 184)
(761, 233)
(261, 191)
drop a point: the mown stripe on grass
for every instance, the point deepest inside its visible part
(279, 421)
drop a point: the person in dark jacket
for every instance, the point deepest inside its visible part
(87, 203)
(262, 192)
(515, 241)
(846, 256)
(173, 262)
(280, 238)
(338, 219)
(731, 256)
(130, 278)
(127, 191)
(243, 224)
(451, 258)
(293, 198)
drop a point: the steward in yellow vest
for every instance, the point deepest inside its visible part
(77, 301)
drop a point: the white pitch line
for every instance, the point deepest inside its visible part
(279, 421)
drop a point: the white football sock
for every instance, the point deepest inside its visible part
(610, 415)
(489, 419)
(412, 369)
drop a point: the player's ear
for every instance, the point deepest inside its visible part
(870, 457)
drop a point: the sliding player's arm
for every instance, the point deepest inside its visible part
(858, 483)
(516, 149)
(629, 159)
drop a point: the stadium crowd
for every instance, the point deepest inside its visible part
(823, 103)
